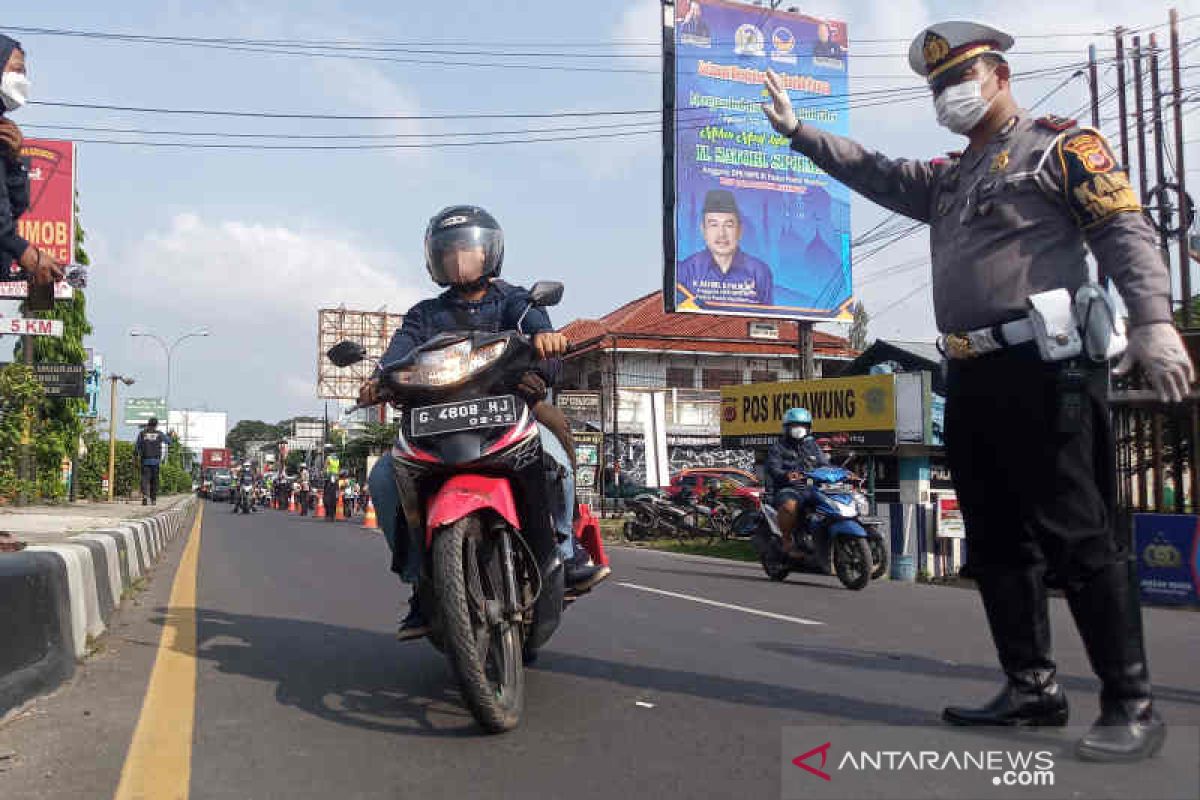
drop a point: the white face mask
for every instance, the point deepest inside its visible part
(961, 107)
(14, 90)
(798, 432)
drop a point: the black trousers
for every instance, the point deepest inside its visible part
(1030, 495)
(150, 481)
(1038, 501)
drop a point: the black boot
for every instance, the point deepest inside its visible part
(1016, 607)
(413, 626)
(1109, 622)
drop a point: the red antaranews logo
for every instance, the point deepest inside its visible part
(824, 751)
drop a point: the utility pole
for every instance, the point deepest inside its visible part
(804, 345)
(1185, 264)
(1161, 199)
(1122, 105)
(112, 430)
(1138, 101)
(1094, 86)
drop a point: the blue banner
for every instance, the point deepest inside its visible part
(759, 229)
(1168, 553)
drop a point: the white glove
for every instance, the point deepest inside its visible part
(1158, 349)
(779, 111)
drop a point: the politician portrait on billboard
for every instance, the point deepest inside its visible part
(759, 230)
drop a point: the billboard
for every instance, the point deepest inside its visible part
(752, 227)
(372, 329)
(138, 410)
(50, 221)
(847, 412)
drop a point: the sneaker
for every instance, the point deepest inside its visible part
(581, 575)
(414, 625)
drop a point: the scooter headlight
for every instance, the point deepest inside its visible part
(449, 365)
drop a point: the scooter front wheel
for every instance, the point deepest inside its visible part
(852, 561)
(485, 649)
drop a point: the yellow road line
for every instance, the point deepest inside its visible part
(159, 763)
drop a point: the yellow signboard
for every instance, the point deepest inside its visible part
(851, 411)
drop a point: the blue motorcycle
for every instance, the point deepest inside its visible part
(836, 539)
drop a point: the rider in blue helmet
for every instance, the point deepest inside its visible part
(795, 453)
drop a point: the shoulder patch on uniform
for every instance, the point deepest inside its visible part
(1055, 123)
(1091, 151)
(1094, 185)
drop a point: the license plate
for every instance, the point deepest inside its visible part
(464, 415)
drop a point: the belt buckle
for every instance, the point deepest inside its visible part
(959, 346)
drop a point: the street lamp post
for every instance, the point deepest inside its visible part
(112, 430)
(168, 351)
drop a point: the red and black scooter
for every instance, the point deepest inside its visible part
(471, 474)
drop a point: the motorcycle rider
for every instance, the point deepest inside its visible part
(464, 252)
(793, 454)
(245, 475)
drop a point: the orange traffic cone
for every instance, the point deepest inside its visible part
(370, 522)
(292, 503)
(320, 512)
(340, 515)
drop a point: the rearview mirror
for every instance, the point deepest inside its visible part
(346, 353)
(546, 293)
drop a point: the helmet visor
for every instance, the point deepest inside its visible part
(463, 255)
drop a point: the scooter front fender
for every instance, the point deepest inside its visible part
(466, 494)
(847, 527)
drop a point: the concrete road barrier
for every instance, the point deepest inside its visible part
(56, 595)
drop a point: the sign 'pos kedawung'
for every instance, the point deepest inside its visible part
(752, 227)
(847, 412)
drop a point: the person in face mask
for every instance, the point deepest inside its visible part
(795, 453)
(39, 267)
(1013, 216)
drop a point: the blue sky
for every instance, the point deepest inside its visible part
(251, 243)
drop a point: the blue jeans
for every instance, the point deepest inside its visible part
(386, 498)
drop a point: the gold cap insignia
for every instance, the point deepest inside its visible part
(936, 48)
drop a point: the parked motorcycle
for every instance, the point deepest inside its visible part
(474, 480)
(835, 538)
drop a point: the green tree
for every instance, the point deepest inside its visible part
(252, 430)
(858, 328)
(20, 397)
(60, 423)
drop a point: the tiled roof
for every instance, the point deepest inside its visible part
(643, 324)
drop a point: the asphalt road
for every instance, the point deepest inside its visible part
(675, 679)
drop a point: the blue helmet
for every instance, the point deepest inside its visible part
(797, 416)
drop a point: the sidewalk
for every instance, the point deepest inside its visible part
(40, 524)
(60, 591)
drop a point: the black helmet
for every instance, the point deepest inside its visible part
(461, 228)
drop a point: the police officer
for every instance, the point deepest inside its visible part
(1012, 217)
(148, 449)
(794, 454)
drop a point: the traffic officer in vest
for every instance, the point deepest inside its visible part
(1027, 426)
(148, 450)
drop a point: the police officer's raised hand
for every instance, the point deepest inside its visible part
(368, 393)
(550, 344)
(1158, 349)
(779, 111)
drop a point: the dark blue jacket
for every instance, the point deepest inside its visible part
(14, 201)
(499, 310)
(149, 446)
(792, 455)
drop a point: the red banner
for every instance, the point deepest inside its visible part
(49, 224)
